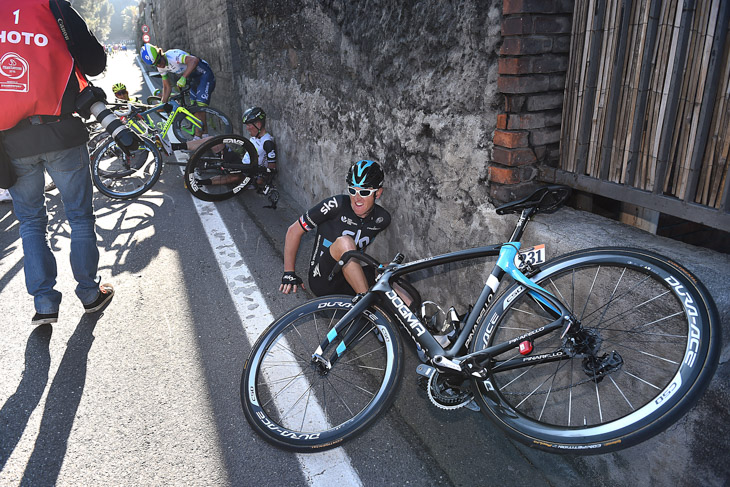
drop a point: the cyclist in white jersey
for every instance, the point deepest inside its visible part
(255, 121)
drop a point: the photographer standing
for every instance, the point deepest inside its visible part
(46, 50)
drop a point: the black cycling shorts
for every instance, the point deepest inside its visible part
(320, 286)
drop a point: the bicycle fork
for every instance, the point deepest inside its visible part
(344, 333)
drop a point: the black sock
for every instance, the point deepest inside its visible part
(179, 145)
(205, 182)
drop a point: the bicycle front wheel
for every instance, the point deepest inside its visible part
(298, 404)
(216, 123)
(646, 346)
(121, 176)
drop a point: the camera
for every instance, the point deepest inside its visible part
(91, 102)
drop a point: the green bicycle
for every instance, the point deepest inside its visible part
(119, 175)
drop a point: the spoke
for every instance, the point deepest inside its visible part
(350, 383)
(273, 397)
(640, 379)
(334, 389)
(590, 292)
(643, 352)
(285, 414)
(622, 393)
(598, 400)
(363, 355)
(280, 346)
(570, 394)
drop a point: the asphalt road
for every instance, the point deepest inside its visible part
(147, 393)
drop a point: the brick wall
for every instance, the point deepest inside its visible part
(533, 60)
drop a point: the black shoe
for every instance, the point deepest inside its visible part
(106, 292)
(44, 319)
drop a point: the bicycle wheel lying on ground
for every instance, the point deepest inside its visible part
(211, 177)
(121, 176)
(216, 123)
(646, 347)
(300, 405)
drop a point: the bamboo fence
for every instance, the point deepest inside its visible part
(644, 137)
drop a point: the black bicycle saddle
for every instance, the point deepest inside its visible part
(544, 200)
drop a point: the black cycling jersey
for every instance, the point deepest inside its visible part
(333, 218)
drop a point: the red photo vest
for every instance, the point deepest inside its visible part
(35, 64)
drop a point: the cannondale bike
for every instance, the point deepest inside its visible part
(590, 352)
(215, 171)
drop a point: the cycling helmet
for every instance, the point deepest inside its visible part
(119, 87)
(150, 54)
(365, 174)
(254, 114)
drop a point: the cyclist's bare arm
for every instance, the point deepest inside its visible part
(291, 247)
(166, 89)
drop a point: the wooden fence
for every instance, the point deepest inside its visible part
(646, 117)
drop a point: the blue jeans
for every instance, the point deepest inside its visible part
(69, 169)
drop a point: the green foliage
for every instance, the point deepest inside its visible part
(129, 20)
(98, 16)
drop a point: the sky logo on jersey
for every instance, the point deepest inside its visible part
(328, 205)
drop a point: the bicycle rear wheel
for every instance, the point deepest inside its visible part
(216, 123)
(646, 347)
(298, 405)
(119, 176)
(211, 178)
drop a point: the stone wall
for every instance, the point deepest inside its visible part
(409, 84)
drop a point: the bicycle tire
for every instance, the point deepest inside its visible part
(119, 176)
(204, 164)
(292, 404)
(655, 315)
(96, 139)
(216, 123)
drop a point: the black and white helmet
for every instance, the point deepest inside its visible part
(254, 114)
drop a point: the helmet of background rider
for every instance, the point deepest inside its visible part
(365, 174)
(150, 54)
(254, 114)
(118, 87)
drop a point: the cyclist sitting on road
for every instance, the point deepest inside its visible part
(255, 121)
(343, 223)
(190, 69)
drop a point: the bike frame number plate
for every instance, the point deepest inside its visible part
(531, 255)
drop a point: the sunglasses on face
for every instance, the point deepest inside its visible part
(364, 193)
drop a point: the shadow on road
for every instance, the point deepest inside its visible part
(64, 397)
(16, 411)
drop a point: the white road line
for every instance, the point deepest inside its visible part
(329, 468)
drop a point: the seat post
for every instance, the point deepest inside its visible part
(522, 223)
